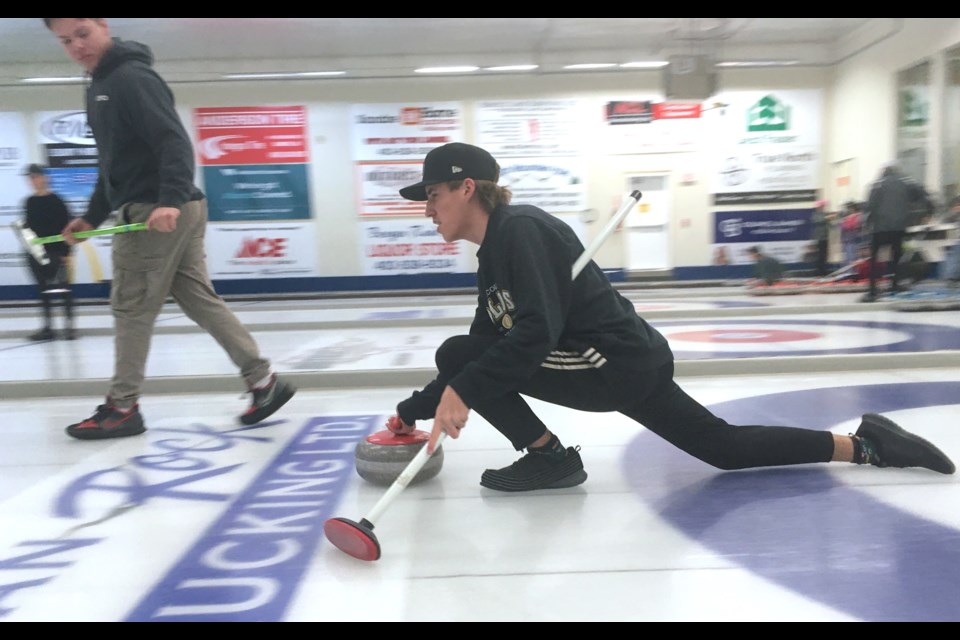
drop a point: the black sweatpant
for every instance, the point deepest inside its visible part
(822, 251)
(52, 276)
(651, 398)
(894, 240)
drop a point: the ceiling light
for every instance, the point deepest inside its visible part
(53, 80)
(758, 63)
(282, 75)
(513, 67)
(463, 69)
(591, 65)
(644, 64)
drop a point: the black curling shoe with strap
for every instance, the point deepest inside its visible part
(889, 445)
(537, 471)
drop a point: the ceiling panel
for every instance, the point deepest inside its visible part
(26, 46)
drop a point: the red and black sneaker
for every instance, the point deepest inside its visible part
(267, 400)
(109, 422)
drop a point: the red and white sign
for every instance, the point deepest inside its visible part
(676, 110)
(276, 250)
(644, 126)
(252, 135)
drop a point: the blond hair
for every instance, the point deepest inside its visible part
(490, 194)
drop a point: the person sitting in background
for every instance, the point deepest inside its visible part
(766, 268)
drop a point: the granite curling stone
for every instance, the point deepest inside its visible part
(382, 457)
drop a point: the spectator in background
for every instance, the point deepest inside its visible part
(893, 199)
(766, 269)
(951, 262)
(720, 256)
(821, 237)
(46, 215)
(851, 231)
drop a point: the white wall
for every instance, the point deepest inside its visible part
(859, 122)
(862, 117)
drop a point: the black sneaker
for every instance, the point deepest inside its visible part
(108, 422)
(267, 400)
(537, 471)
(43, 335)
(70, 333)
(896, 447)
(868, 297)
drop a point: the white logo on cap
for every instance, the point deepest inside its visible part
(456, 169)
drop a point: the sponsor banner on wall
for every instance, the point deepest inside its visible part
(380, 184)
(389, 144)
(783, 233)
(766, 141)
(556, 185)
(395, 247)
(241, 251)
(14, 189)
(252, 135)
(247, 193)
(764, 197)
(645, 126)
(254, 162)
(71, 154)
(531, 128)
(390, 132)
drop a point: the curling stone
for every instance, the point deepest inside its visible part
(382, 456)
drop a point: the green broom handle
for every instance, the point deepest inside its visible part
(106, 231)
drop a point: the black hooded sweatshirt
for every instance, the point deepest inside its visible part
(527, 296)
(145, 153)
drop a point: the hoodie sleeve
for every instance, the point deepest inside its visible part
(534, 270)
(149, 109)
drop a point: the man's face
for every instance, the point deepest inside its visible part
(38, 181)
(84, 39)
(447, 208)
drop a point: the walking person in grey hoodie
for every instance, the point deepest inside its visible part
(893, 199)
(146, 175)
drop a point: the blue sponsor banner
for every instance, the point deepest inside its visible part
(74, 186)
(252, 192)
(763, 226)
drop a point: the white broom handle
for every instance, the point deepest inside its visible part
(617, 218)
(408, 474)
(414, 466)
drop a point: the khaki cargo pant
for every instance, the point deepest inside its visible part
(149, 267)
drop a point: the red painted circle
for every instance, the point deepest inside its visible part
(745, 335)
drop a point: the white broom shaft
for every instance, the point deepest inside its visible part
(413, 468)
(615, 221)
(408, 474)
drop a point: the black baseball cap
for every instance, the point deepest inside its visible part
(35, 170)
(453, 161)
